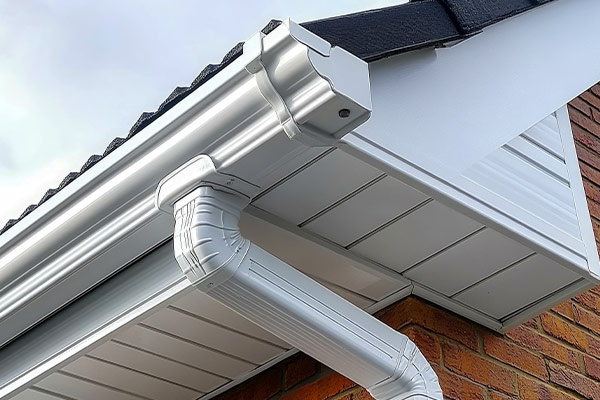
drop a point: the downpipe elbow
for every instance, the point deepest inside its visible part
(207, 241)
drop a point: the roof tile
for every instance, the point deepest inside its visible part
(90, 162)
(474, 15)
(68, 179)
(49, 193)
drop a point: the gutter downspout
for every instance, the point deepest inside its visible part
(318, 94)
(219, 261)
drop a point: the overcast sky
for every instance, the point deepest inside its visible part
(75, 74)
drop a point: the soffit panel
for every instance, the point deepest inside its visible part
(375, 204)
(207, 308)
(31, 394)
(415, 236)
(194, 329)
(187, 352)
(190, 347)
(524, 283)
(488, 249)
(127, 380)
(67, 385)
(333, 177)
(148, 363)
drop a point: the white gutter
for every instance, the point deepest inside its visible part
(289, 91)
(106, 218)
(206, 196)
(219, 261)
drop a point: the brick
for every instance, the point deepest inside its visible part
(587, 319)
(596, 227)
(415, 311)
(596, 115)
(530, 389)
(359, 394)
(586, 156)
(458, 388)
(299, 369)
(549, 347)
(594, 208)
(585, 131)
(590, 300)
(324, 387)
(532, 323)
(499, 396)
(562, 330)
(511, 354)
(427, 343)
(570, 379)
(261, 387)
(477, 368)
(582, 106)
(592, 191)
(596, 290)
(565, 309)
(595, 89)
(591, 98)
(592, 367)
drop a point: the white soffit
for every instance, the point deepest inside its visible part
(187, 347)
(492, 142)
(529, 187)
(514, 225)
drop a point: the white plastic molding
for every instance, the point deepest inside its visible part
(243, 119)
(218, 260)
(207, 194)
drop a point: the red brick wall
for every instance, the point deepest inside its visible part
(555, 356)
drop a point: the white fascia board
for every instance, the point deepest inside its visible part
(468, 101)
(125, 299)
(243, 119)
(485, 90)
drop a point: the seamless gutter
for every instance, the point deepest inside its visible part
(100, 212)
(107, 218)
(370, 35)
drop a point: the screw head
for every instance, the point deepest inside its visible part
(344, 113)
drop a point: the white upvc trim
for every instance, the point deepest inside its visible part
(106, 218)
(144, 287)
(125, 299)
(438, 112)
(579, 196)
(219, 261)
(380, 305)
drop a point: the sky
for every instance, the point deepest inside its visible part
(75, 74)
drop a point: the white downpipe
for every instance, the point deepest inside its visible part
(318, 94)
(219, 261)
